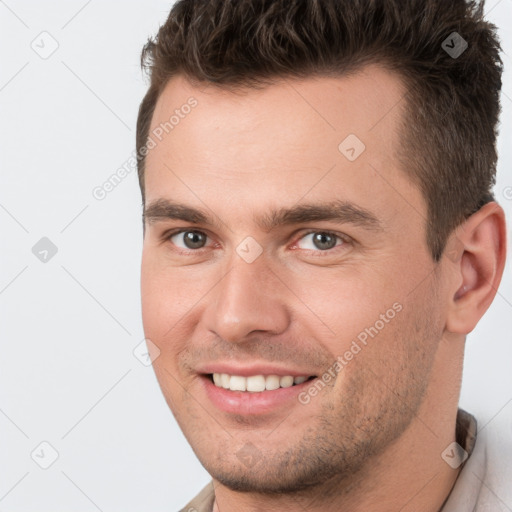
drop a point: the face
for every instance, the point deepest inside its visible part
(284, 244)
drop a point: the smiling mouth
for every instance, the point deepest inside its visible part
(256, 383)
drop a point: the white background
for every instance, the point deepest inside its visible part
(69, 326)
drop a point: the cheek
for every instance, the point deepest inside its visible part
(167, 294)
(152, 297)
(172, 302)
(345, 305)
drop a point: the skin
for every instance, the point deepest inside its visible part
(372, 438)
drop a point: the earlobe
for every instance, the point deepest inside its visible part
(477, 265)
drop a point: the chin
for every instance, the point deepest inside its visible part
(266, 482)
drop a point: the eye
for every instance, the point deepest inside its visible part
(192, 240)
(189, 240)
(320, 241)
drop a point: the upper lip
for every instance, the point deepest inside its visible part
(247, 370)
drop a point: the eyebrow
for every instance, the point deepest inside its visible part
(340, 211)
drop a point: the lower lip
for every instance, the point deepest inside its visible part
(252, 403)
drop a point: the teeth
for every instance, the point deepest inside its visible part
(224, 380)
(237, 383)
(271, 382)
(286, 382)
(255, 383)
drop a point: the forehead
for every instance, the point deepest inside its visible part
(329, 137)
(365, 103)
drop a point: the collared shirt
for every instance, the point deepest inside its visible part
(480, 485)
(485, 482)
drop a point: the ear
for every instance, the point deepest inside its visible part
(476, 255)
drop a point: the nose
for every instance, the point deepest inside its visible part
(249, 298)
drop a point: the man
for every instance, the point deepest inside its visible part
(320, 237)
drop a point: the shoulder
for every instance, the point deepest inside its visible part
(485, 481)
(203, 502)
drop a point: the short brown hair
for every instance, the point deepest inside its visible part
(449, 126)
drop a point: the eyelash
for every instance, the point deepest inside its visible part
(343, 238)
